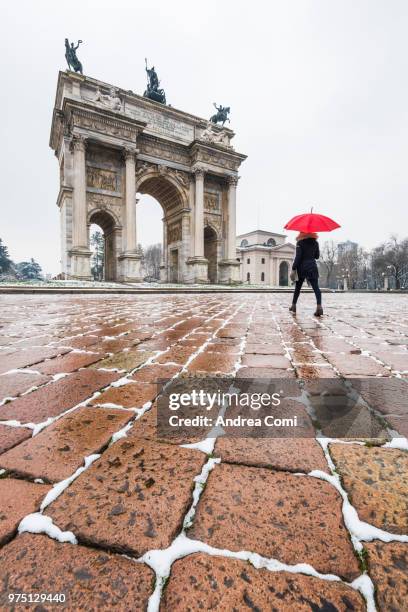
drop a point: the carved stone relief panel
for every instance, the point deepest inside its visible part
(174, 232)
(104, 126)
(98, 178)
(211, 202)
(163, 150)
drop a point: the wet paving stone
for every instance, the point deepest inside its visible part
(58, 451)
(357, 365)
(220, 583)
(376, 480)
(266, 361)
(213, 363)
(155, 372)
(133, 499)
(68, 363)
(11, 436)
(125, 360)
(15, 383)
(132, 395)
(255, 509)
(17, 499)
(90, 579)
(54, 398)
(290, 454)
(388, 568)
(29, 357)
(176, 354)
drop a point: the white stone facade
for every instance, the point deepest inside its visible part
(112, 144)
(265, 257)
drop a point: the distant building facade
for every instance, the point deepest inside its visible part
(266, 258)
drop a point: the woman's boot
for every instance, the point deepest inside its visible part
(292, 308)
(319, 311)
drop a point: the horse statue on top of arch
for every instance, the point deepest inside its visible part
(221, 116)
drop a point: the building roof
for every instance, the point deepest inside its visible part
(259, 231)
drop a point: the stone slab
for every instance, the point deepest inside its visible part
(68, 363)
(388, 568)
(290, 455)
(11, 436)
(17, 499)
(54, 398)
(376, 480)
(59, 450)
(206, 582)
(15, 383)
(294, 519)
(132, 395)
(29, 357)
(133, 499)
(125, 360)
(90, 579)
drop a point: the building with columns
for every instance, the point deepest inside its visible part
(112, 144)
(265, 257)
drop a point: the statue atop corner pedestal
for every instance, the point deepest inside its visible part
(221, 116)
(71, 56)
(153, 92)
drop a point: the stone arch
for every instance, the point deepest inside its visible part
(109, 224)
(164, 187)
(170, 189)
(283, 274)
(211, 251)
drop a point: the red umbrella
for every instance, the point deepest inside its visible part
(311, 222)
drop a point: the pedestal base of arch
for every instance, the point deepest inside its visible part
(229, 272)
(130, 264)
(80, 263)
(198, 270)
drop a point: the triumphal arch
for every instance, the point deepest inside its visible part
(112, 144)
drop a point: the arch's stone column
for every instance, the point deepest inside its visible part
(163, 267)
(80, 253)
(130, 258)
(230, 267)
(198, 264)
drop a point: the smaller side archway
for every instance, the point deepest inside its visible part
(112, 238)
(211, 252)
(283, 274)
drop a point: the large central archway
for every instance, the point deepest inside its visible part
(170, 190)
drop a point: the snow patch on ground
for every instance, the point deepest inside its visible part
(38, 523)
(399, 443)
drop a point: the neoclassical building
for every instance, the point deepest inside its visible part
(265, 258)
(112, 144)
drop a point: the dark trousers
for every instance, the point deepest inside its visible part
(315, 286)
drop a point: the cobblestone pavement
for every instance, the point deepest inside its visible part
(257, 524)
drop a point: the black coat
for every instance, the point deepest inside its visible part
(307, 251)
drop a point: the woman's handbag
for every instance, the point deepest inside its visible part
(294, 276)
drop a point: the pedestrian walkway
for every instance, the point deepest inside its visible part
(97, 508)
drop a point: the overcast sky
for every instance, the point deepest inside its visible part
(317, 88)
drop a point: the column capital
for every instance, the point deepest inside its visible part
(78, 142)
(233, 180)
(129, 154)
(198, 171)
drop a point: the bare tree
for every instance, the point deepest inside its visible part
(353, 265)
(328, 260)
(152, 260)
(396, 258)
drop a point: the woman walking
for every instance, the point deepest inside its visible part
(305, 267)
